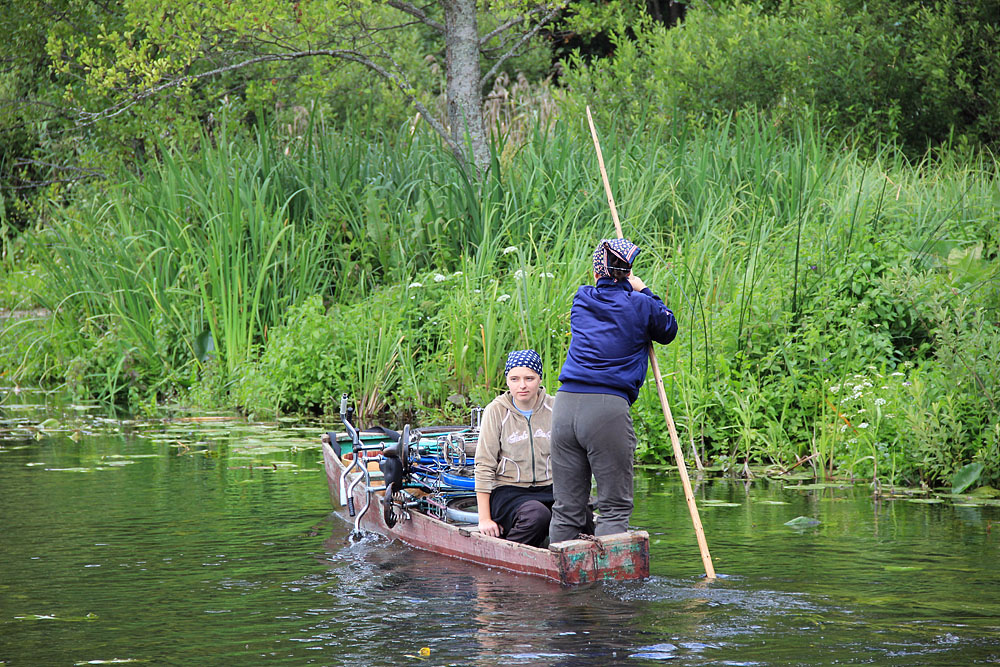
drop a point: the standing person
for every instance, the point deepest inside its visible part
(612, 323)
(513, 466)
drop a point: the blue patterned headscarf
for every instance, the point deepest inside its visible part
(624, 249)
(525, 358)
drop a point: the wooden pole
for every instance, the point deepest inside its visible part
(706, 557)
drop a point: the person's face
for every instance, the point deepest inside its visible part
(523, 384)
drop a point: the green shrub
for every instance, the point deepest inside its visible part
(881, 71)
(955, 412)
(302, 364)
(792, 268)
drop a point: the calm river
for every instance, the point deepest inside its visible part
(212, 543)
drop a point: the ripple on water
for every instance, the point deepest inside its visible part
(226, 555)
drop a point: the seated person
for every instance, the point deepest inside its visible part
(513, 471)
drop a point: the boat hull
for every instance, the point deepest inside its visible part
(613, 557)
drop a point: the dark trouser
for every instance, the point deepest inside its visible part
(531, 524)
(522, 512)
(591, 435)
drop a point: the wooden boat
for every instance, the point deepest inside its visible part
(416, 515)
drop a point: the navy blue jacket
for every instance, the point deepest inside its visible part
(612, 326)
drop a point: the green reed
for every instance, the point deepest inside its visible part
(193, 246)
(779, 253)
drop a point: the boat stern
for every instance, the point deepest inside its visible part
(619, 557)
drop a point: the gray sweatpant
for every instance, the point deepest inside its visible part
(592, 434)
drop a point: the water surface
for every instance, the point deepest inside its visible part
(212, 542)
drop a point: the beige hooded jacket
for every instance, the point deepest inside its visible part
(513, 451)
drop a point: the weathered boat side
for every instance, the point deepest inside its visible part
(620, 557)
(623, 556)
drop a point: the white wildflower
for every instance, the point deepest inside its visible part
(548, 275)
(879, 401)
(863, 425)
(843, 427)
(439, 278)
(457, 273)
(834, 389)
(519, 274)
(502, 298)
(896, 374)
(509, 249)
(412, 285)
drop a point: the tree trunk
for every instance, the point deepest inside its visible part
(465, 100)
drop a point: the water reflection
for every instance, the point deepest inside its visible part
(843, 590)
(467, 614)
(185, 542)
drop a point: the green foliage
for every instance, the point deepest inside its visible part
(966, 477)
(306, 359)
(587, 18)
(792, 269)
(94, 86)
(110, 365)
(28, 352)
(195, 246)
(317, 354)
(789, 272)
(887, 70)
(955, 409)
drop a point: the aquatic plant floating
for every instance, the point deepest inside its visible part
(52, 617)
(803, 522)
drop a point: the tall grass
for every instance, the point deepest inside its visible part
(792, 266)
(196, 245)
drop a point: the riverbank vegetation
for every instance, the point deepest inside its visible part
(836, 284)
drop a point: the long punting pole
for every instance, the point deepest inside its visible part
(706, 558)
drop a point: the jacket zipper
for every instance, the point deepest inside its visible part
(531, 443)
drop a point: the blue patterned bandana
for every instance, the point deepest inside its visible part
(621, 248)
(525, 358)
